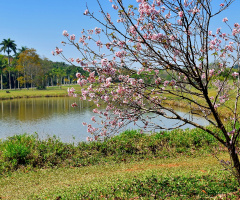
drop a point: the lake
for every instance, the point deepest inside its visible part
(55, 116)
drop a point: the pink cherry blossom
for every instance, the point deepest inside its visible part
(65, 33)
(74, 105)
(235, 74)
(98, 30)
(72, 37)
(225, 19)
(93, 119)
(86, 12)
(180, 13)
(115, 7)
(58, 51)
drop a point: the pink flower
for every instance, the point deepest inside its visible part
(86, 12)
(218, 30)
(108, 80)
(93, 119)
(158, 81)
(95, 110)
(108, 45)
(235, 74)
(89, 139)
(78, 75)
(165, 83)
(225, 19)
(74, 105)
(71, 91)
(72, 37)
(58, 51)
(211, 72)
(99, 43)
(180, 14)
(222, 4)
(97, 30)
(115, 7)
(179, 22)
(65, 33)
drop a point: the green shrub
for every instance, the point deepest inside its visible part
(28, 150)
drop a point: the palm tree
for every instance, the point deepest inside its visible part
(21, 50)
(8, 46)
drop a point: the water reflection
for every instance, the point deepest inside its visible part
(39, 108)
(52, 116)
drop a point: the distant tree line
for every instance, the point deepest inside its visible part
(25, 69)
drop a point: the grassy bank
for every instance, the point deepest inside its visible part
(28, 152)
(167, 165)
(55, 91)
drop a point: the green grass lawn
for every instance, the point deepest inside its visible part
(179, 164)
(28, 93)
(173, 178)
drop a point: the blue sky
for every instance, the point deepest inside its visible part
(39, 23)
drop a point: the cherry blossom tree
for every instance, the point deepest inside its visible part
(156, 52)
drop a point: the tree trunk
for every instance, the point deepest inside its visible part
(14, 82)
(236, 163)
(18, 80)
(24, 79)
(1, 81)
(31, 81)
(9, 77)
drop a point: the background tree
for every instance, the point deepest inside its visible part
(3, 65)
(29, 64)
(42, 74)
(170, 36)
(8, 46)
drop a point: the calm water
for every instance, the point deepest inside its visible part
(53, 116)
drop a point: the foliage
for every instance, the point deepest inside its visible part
(22, 151)
(3, 65)
(29, 64)
(8, 46)
(30, 70)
